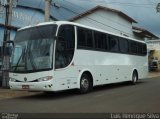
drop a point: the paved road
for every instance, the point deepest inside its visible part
(143, 97)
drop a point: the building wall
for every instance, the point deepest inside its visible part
(153, 45)
(21, 17)
(154, 51)
(136, 36)
(109, 21)
(24, 16)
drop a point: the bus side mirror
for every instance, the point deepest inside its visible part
(9, 42)
(7, 50)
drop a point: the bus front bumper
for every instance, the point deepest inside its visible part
(32, 86)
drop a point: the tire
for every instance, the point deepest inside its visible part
(85, 84)
(134, 78)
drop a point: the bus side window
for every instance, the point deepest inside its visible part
(85, 38)
(113, 43)
(133, 47)
(100, 40)
(123, 45)
(144, 49)
(64, 46)
(139, 49)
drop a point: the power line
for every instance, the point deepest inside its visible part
(96, 20)
(53, 4)
(35, 12)
(108, 19)
(144, 4)
(131, 3)
(158, 7)
(151, 1)
(128, 4)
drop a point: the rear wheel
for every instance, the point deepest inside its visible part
(134, 77)
(85, 83)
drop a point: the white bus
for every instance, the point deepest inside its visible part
(62, 55)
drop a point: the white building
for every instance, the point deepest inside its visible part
(113, 21)
(154, 52)
(153, 44)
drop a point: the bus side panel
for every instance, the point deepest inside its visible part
(110, 67)
(105, 68)
(66, 78)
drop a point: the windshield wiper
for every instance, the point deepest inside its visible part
(18, 66)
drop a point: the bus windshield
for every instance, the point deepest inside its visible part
(33, 49)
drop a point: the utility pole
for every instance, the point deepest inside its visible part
(6, 58)
(8, 19)
(47, 10)
(158, 7)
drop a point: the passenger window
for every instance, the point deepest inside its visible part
(123, 45)
(81, 37)
(133, 47)
(139, 48)
(144, 49)
(89, 38)
(99, 40)
(65, 46)
(113, 43)
(84, 37)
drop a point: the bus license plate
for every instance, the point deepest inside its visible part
(25, 87)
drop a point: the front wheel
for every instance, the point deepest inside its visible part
(85, 83)
(134, 78)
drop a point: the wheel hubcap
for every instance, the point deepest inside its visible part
(135, 78)
(85, 83)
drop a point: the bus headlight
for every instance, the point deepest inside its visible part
(45, 78)
(12, 79)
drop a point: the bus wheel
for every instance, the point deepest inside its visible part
(134, 77)
(85, 83)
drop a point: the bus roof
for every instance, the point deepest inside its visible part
(80, 25)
